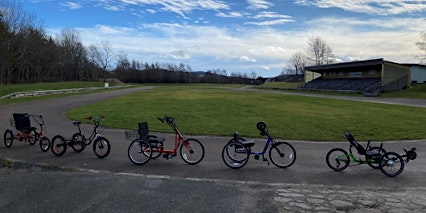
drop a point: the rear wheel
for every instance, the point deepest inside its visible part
(101, 147)
(373, 161)
(44, 144)
(235, 155)
(59, 145)
(337, 159)
(282, 154)
(391, 164)
(78, 142)
(8, 138)
(139, 152)
(192, 151)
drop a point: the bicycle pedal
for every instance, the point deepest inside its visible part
(166, 156)
(256, 157)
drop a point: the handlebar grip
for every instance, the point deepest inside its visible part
(102, 117)
(162, 121)
(88, 118)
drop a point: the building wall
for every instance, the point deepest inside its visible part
(395, 77)
(418, 74)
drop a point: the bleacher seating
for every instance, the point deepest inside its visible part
(353, 84)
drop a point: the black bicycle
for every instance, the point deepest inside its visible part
(236, 152)
(101, 145)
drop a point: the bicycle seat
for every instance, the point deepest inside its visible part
(76, 123)
(248, 143)
(361, 150)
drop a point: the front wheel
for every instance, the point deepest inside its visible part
(101, 147)
(32, 137)
(59, 145)
(391, 164)
(8, 138)
(337, 159)
(192, 151)
(139, 152)
(44, 144)
(282, 154)
(235, 155)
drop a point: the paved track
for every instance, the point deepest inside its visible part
(309, 169)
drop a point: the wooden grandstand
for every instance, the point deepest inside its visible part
(368, 76)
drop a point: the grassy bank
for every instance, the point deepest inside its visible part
(211, 110)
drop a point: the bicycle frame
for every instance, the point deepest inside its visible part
(179, 138)
(94, 133)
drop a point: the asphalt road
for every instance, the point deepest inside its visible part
(114, 184)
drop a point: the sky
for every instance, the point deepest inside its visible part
(240, 36)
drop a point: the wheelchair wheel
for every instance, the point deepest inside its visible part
(8, 138)
(373, 161)
(391, 164)
(139, 152)
(235, 155)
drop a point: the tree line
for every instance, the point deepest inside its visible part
(28, 54)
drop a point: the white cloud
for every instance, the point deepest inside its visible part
(181, 7)
(71, 5)
(259, 4)
(247, 59)
(378, 7)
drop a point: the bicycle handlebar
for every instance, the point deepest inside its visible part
(167, 119)
(99, 118)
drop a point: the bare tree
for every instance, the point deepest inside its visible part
(296, 64)
(319, 52)
(74, 53)
(422, 46)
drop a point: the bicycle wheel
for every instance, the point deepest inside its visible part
(33, 137)
(373, 161)
(44, 144)
(282, 154)
(101, 147)
(78, 142)
(391, 164)
(139, 152)
(337, 159)
(191, 151)
(8, 138)
(235, 155)
(59, 145)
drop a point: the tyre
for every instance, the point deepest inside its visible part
(373, 161)
(33, 137)
(44, 144)
(8, 138)
(282, 154)
(78, 142)
(59, 145)
(391, 164)
(337, 159)
(101, 147)
(235, 155)
(139, 152)
(191, 151)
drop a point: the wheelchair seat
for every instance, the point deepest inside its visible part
(22, 122)
(144, 134)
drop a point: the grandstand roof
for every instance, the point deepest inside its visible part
(373, 62)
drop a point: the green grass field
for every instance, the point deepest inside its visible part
(220, 110)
